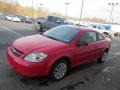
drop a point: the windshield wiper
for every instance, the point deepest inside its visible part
(53, 38)
(50, 37)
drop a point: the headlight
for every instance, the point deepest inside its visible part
(36, 57)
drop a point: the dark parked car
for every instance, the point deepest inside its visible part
(50, 22)
(57, 50)
(29, 20)
(22, 18)
(25, 19)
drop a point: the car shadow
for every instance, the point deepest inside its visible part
(45, 81)
(84, 67)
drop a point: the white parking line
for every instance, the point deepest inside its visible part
(11, 31)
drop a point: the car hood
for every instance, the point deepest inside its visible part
(34, 42)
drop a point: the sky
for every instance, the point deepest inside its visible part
(91, 8)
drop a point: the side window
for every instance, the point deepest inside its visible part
(52, 19)
(49, 18)
(92, 36)
(60, 20)
(88, 37)
(100, 37)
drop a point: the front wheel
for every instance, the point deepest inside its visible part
(103, 57)
(59, 70)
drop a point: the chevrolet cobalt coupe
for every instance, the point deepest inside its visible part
(56, 51)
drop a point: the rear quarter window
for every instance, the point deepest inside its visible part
(89, 37)
(100, 37)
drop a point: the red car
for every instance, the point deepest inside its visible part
(57, 50)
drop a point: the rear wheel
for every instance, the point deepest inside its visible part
(39, 27)
(103, 57)
(59, 70)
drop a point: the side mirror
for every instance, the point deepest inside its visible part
(58, 22)
(107, 36)
(82, 43)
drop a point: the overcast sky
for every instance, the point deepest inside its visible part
(92, 8)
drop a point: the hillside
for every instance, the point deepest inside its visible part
(28, 11)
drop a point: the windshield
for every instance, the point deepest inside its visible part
(62, 33)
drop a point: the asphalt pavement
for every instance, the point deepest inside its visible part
(90, 76)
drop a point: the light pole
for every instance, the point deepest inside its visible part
(35, 11)
(81, 10)
(41, 8)
(66, 8)
(32, 8)
(111, 12)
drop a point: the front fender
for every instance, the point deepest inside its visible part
(53, 60)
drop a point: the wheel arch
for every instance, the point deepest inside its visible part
(107, 50)
(66, 58)
(41, 26)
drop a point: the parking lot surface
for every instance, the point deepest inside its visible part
(90, 76)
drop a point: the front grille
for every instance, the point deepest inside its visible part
(16, 52)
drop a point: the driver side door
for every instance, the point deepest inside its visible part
(86, 48)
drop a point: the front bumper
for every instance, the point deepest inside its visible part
(26, 68)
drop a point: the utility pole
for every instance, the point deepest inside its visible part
(32, 9)
(111, 12)
(41, 6)
(67, 3)
(81, 10)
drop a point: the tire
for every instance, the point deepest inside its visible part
(103, 57)
(59, 70)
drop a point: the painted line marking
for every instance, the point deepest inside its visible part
(11, 31)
